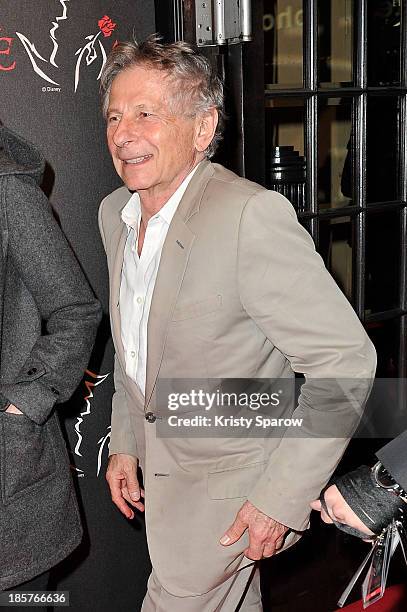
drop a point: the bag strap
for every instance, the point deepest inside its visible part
(250, 580)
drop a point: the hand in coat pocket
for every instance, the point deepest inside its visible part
(13, 410)
(28, 458)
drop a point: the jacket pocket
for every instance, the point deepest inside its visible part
(234, 482)
(191, 310)
(28, 457)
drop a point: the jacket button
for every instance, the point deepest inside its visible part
(54, 391)
(150, 417)
(32, 371)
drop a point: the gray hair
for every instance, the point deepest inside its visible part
(197, 84)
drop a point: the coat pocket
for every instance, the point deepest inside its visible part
(234, 482)
(192, 310)
(27, 455)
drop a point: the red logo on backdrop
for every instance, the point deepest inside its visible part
(106, 25)
(46, 66)
(5, 50)
(90, 50)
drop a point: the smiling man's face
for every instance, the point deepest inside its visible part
(153, 148)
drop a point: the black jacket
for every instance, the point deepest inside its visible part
(48, 321)
(394, 458)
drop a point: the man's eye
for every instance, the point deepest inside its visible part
(145, 114)
(112, 119)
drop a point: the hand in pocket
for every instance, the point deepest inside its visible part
(13, 409)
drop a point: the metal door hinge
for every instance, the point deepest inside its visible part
(221, 22)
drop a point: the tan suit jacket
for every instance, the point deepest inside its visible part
(240, 293)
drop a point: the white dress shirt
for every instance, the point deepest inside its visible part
(138, 278)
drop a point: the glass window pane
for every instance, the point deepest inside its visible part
(382, 148)
(383, 41)
(283, 43)
(335, 167)
(336, 249)
(285, 163)
(335, 42)
(383, 247)
(385, 335)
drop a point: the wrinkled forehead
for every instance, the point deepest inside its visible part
(169, 90)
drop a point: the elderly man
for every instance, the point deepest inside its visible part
(211, 277)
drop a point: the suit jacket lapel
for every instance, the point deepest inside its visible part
(174, 258)
(119, 235)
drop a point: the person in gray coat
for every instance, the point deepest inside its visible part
(48, 322)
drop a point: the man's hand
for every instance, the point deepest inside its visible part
(121, 476)
(266, 535)
(13, 409)
(339, 510)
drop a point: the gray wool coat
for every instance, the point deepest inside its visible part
(48, 319)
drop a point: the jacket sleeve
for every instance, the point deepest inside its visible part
(122, 438)
(394, 458)
(286, 289)
(67, 307)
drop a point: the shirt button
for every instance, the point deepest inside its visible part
(139, 300)
(150, 417)
(133, 353)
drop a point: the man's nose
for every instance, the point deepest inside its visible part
(126, 132)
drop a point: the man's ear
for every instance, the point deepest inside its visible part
(205, 129)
